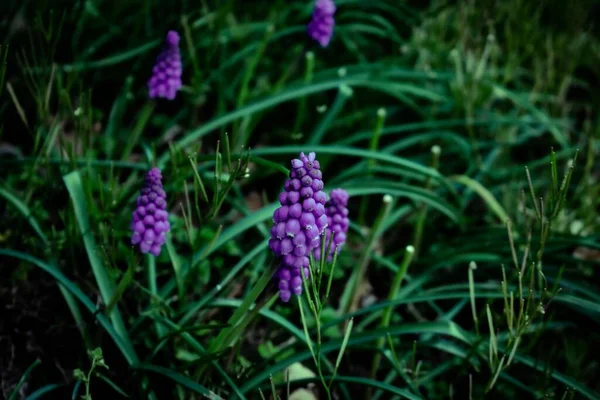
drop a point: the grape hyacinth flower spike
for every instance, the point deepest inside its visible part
(166, 74)
(321, 26)
(150, 224)
(298, 224)
(336, 210)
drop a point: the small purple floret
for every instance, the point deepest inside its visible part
(336, 211)
(298, 224)
(149, 224)
(166, 74)
(321, 26)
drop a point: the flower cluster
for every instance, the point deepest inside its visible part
(336, 210)
(166, 74)
(298, 223)
(321, 26)
(150, 224)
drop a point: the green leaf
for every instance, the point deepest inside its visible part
(17, 388)
(96, 353)
(178, 378)
(105, 284)
(107, 61)
(373, 186)
(440, 328)
(231, 334)
(302, 394)
(298, 371)
(294, 92)
(385, 387)
(121, 287)
(113, 385)
(200, 349)
(485, 195)
(338, 360)
(41, 392)
(233, 272)
(228, 234)
(523, 102)
(123, 345)
(26, 212)
(351, 152)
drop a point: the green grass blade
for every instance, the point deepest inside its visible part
(123, 345)
(228, 234)
(485, 195)
(219, 286)
(3, 56)
(220, 343)
(440, 328)
(293, 93)
(351, 152)
(105, 62)
(392, 390)
(338, 360)
(113, 385)
(179, 379)
(41, 392)
(193, 343)
(25, 211)
(344, 93)
(268, 314)
(401, 190)
(15, 391)
(133, 138)
(105, 284)
(521, 101)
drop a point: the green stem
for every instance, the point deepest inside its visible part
(423, 208)
(344, 93)
(87, 381)
(350, 295)
(387, 312)
(151, 263)
(373, 146)
(237, 317)
(144, 117)
(240, 131)
(308, 75)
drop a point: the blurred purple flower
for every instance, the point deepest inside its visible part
(298, 224)
(150, 224)
(321, 26)
(166, 74)
(336, 210)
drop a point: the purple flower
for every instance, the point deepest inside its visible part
(321, 26)
(150, 224)
(166, 74)
(298, 224)
(336, 211)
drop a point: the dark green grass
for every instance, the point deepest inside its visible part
(427, 114)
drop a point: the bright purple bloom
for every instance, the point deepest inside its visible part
(321, 26)
(166, 74)
(298, 224)
(336, 210)
(150, 224)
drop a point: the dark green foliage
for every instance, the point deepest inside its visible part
(466, 134)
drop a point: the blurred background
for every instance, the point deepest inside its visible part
(440, 104)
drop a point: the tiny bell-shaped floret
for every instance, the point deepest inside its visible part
(166, 74)
(336, 211)
(150, 223)
(298, 224)
(321, 26)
